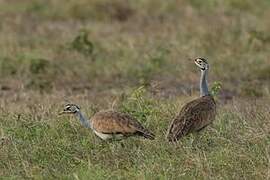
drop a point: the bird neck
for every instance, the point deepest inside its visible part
(203, 83)
(84, 121)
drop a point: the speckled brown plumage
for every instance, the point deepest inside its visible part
(194, 116)
(111, 122)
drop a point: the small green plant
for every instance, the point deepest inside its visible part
(38, 65)
(82, 44)
(38, 7)
(152, 66)
(216, 88)
(137, 104)
(40, 83)
(41, 74)
(159, 58)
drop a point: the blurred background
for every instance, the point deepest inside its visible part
(100, 45)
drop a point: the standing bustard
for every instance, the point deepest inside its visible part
(109, 124)
(196, 114)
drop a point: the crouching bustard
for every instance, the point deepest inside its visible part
(196, 114)
(109, 124)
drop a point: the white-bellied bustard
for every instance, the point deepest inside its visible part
(109, 124)
(196, 114)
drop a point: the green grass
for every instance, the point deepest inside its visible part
(132, 56)
(40, 144)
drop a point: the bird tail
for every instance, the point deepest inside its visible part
(147, 134)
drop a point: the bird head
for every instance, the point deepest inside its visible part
(70, 109)
(202, 63)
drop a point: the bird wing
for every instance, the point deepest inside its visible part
(111, 122)
(193, 116)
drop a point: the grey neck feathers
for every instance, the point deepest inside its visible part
(84, 121)
(203, 83)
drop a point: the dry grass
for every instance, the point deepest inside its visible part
(97, 53)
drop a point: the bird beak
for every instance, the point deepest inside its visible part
(61, 113)
(65, 112)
